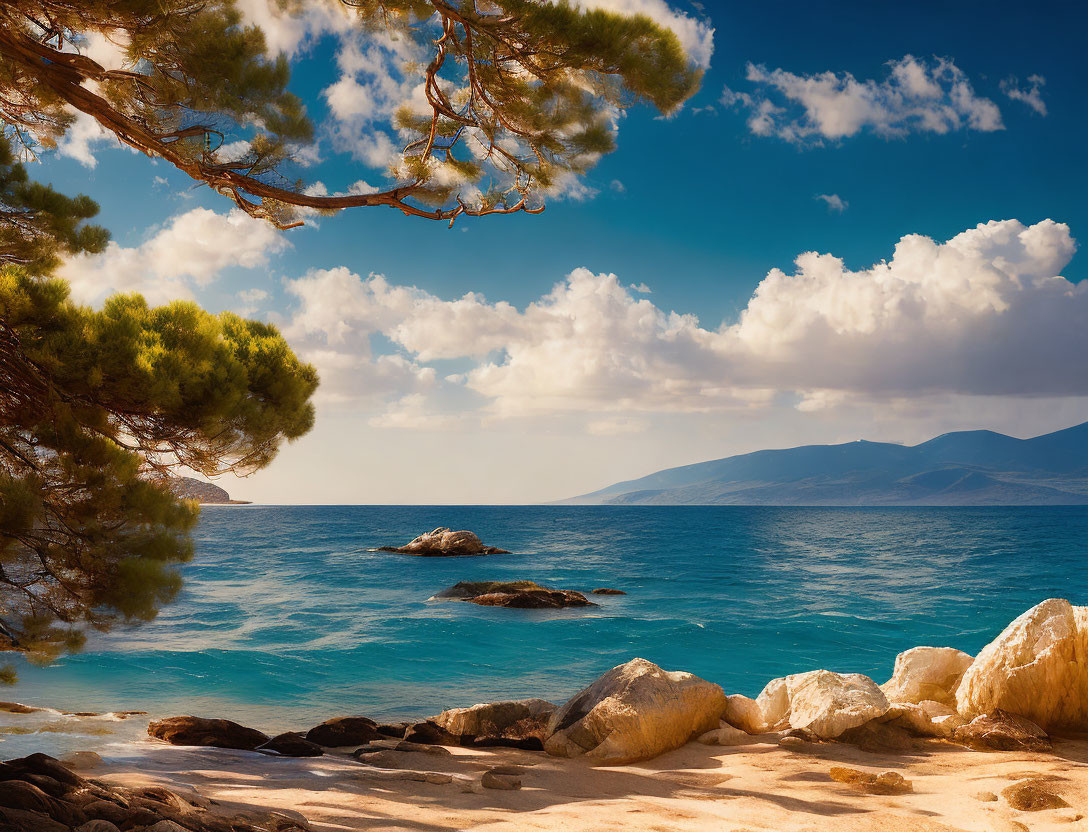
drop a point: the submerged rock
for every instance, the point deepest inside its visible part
(634, 712)
(927, 673)
(605, 591)
(1002, 731)
(823, 702)
(344, 730)
(218, 733)
(444, 542)
(1037, 667)
(516, 594)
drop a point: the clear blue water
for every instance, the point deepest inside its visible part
(286, 620)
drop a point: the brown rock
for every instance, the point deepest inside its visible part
(1032, 796)
(216, 733)
(519, 594)
(1002, 731)
(17, 708)
(344, 730)
(292, 744)
(542, 598)
(419, 747)
(430, 732)
(606, 591)
(17, 794)
(443, 542)
(97, 825)
(396, 730)
(506, 782)
(887, 782)
(105, 810)
(21, 820)
(878, 738)
(40, 764)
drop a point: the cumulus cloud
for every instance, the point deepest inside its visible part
(834, 202)
(916, 96)
(985, 313)
(290, 33)
(1032, 95)
(82, 140)
(187, 252)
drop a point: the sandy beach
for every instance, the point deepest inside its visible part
(697, 787)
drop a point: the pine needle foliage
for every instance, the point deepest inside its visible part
(96, 408)
(521, 95)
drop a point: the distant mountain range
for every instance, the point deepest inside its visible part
(977, 467)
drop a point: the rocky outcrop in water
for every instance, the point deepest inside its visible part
(445, 543)
(634, 712)
(516, 594)
(195, 730)
(39, 794)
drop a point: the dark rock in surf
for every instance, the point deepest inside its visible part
(514, 594)
(218, 733)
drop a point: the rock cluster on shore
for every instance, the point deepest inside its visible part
(445, 543)
(1033, 678)
(40, 794)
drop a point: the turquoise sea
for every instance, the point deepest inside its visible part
(286, 620)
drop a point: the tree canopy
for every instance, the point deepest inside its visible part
(96, 408)
(519, 93)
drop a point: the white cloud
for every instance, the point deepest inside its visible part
(915, 96)
(188, 252)
(1032, 96)
(617, 186)
(82, 138)
(290, 33)
(984, 314)
(834, 202)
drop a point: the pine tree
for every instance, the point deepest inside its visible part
(96, 407)
(520, 93)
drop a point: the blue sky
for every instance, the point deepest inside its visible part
(697, 208)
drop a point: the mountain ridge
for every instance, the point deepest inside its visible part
(976, 467)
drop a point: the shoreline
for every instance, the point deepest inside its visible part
(816, 750)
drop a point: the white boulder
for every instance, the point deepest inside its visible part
(823, 702)
(634, 712)
(927, 673)
(924, 719)
(744, 713)
(725, 734)
(1037, 668)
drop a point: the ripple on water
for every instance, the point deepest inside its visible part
(286, 619)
